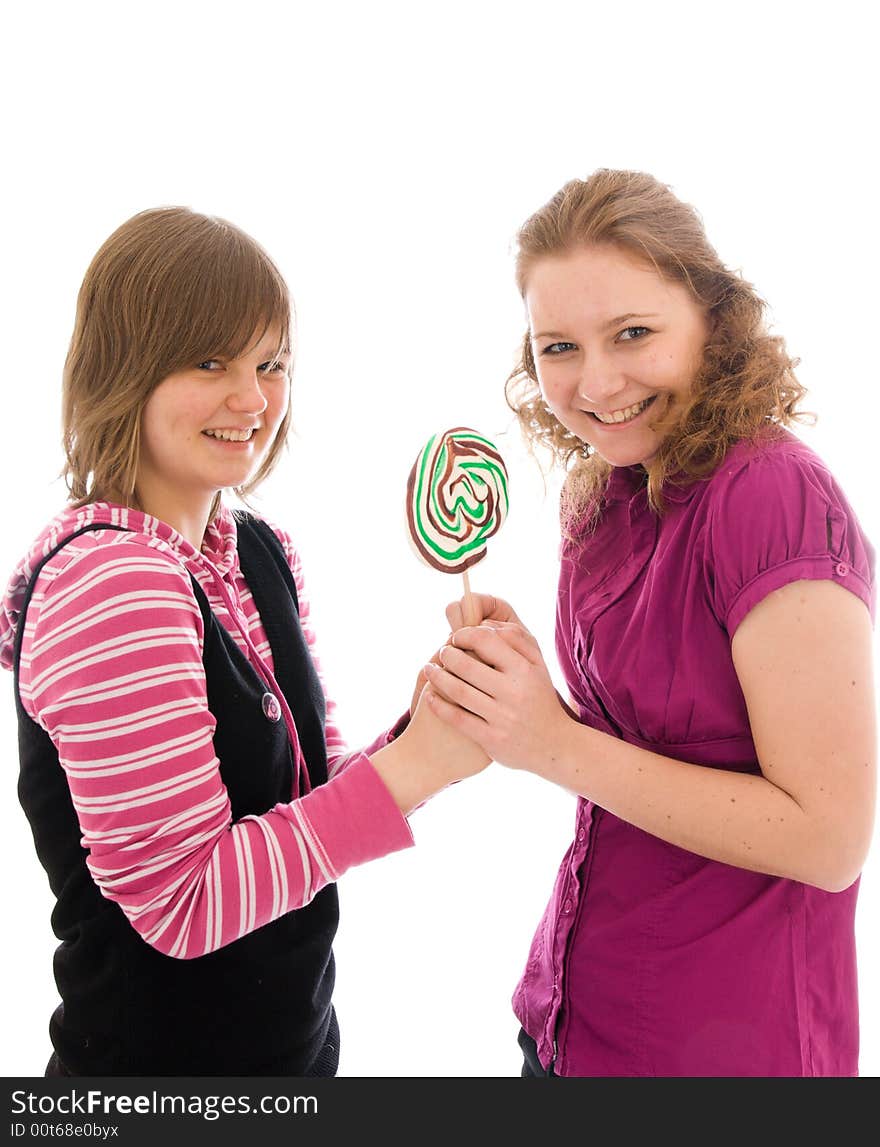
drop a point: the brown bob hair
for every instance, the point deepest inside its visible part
(745, 384)
(168, 289)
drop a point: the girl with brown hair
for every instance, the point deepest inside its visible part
(189, 793)
(714, 629)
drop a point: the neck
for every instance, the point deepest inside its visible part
(192, 527)
(189, 519)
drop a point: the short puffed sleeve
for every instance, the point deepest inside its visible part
(777, 515)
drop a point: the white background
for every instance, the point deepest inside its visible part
(385, 154)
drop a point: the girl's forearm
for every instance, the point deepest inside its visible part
(736, 818)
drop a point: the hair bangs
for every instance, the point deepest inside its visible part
(233, 298)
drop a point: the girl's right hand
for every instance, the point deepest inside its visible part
(442, 751)
(489, 609)
(428, 756)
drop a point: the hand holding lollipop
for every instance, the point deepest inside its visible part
(456, 499)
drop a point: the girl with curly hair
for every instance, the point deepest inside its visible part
(715, 604)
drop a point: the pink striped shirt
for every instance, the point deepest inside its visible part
(111, 667)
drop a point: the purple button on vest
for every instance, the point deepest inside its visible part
(271, 708)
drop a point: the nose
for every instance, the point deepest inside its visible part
(599, 379)
(246, 393)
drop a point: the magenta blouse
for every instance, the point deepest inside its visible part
(649, 959)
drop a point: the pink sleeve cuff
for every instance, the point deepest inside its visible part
(354, 817)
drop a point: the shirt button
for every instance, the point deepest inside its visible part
(581, 834)
(842, 568)
(566, 907)
(271, 708)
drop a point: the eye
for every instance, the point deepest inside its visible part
(557, 348)
(275, 366)
(210, 364)
(628, 334)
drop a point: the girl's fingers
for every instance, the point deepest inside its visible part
(521, 640)
(458, 692)
(470, 669)
(499, 646)
(455, 615)
(486, 607)
(457, 718)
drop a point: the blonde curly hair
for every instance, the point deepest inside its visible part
(745, 385)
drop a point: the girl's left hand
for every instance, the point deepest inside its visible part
(421, 682)
(505, 701)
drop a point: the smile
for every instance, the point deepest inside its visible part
(231, 435)
(627, 414)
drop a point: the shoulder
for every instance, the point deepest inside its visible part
(773, 462)
(100, 589)
(776, 480)
(79, 552)
(105, 569)
(775, 514)
(284, 539)
(111, 552)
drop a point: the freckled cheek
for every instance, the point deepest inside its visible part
(650, 370)
(191, 422)
(661, 372)
(278, 408)
(555, 390)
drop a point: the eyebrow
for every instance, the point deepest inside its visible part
(631, 315)
(610, 323)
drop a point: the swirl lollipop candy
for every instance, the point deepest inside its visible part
(456, 499)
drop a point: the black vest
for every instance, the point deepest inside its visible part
(259, 1006)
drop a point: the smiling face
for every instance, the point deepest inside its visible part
(616, 346)
(208, 427)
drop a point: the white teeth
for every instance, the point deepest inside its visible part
(231, 435)
(624, 415)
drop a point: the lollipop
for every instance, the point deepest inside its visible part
(456, 499)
